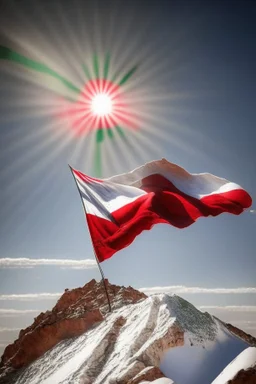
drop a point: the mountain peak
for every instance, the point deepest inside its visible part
(76, 311)
(93, 296)
(198, 326)
(143, 338)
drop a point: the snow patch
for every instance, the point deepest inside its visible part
(159, 381)
(245, 360)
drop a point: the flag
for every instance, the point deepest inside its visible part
(119, 208)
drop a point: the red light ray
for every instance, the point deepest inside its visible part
(83, 120)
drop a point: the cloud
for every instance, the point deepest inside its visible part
(245, 322)
(230, 308)
(253, 211)
(9, 262)
(177, 289)
(18, 312)
(192, 290)
(9, 329)
(30, 296)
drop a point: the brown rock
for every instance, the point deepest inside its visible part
(243, 335)
(147, 374)
(76, 311)
(247, 376)
(32, 345)
(174, 337)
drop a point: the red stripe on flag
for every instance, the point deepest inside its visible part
(85, 178)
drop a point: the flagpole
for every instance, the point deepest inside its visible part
(103, 280)
(95, 255)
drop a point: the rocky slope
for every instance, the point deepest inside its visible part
(243, 335)
(75, 312)
(148, 374)
(244, 376)
(78, 341)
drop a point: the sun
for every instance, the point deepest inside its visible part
(102, 104)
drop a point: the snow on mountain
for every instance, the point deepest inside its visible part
(159, 381)
(208, 346)
(126, 346)
(245, 360)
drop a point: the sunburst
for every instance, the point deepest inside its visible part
(99, 105)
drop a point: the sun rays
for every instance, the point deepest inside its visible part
(82, 89)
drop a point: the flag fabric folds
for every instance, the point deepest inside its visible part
(119, 208)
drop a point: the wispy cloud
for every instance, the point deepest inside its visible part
(30, 296)
(178, 289)
(9, 262)
(18, 312)
(245, 322)
(9, 329)
(253, 211)
(230, 308)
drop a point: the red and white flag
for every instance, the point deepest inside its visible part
(121, 207)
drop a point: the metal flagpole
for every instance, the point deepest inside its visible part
(98, 263)
(103, 280)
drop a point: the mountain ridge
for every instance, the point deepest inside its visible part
(80, 342)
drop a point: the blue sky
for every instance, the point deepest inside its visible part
(196, 85)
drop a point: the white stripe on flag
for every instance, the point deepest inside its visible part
(102, 198)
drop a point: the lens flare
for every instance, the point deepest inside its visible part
(104, 107)
(101, 105)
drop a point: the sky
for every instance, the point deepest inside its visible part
(193, 95)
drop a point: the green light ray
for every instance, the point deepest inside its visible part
(110, 133)
(8, 54)
(127, 76)
(97, 170)
(100, 135)
(97, 155)
(120, 131)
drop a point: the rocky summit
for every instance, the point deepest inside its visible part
(76, 311)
